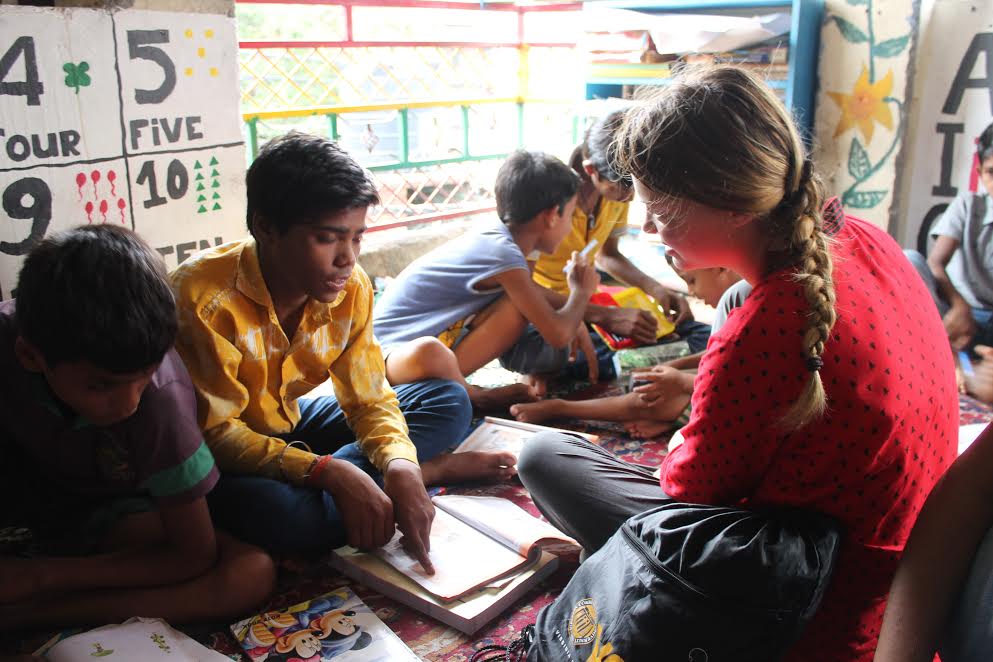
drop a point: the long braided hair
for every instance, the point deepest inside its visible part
(719, 136)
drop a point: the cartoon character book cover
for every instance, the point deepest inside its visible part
(334, 626)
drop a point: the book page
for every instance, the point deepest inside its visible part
(467, 614)
(502, 520)
(969, 433)
(136, 639)
(464, 559)
(501, 434)
(334, 626)
(489, 438)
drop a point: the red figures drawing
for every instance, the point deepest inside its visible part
(80, 180)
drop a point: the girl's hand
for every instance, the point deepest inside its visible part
(662, 383)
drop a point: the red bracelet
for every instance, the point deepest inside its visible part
(314, 474)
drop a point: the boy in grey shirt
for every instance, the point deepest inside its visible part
(459, 307)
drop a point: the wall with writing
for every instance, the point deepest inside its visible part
(126, 117)
(953, 103)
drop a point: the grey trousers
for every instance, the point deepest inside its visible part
(584, 490)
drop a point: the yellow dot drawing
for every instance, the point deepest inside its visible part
(188, 33)
(188, 71)
(202, 52)
(213, 71)
(208, 33)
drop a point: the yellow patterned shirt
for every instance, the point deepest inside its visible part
(612, 217)
(248, 375)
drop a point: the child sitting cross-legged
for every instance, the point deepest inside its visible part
(263, 322)
(661, 394)
(464, 304)
(101, 457)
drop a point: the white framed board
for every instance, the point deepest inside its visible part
(126, 117)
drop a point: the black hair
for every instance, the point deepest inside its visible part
(298, 179)
(96, 293)
(528, 183)
(984, 144)
(598, 148)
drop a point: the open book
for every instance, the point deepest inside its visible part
(502, 434)
(333, 626)
(486, 552)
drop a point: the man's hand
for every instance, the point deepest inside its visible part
(662, 383)
(640, 325)
(959, 325)
(584, 343)
(980, 384)
(366, 510)
(414, 511)
(676, 307)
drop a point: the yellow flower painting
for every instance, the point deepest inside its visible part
(865, 106)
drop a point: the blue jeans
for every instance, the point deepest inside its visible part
(285, 518)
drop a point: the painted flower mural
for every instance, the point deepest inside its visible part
(865, 105)
(869, 103)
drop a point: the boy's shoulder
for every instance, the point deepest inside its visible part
(493, 237)
(171, 373)
(211, 272)
(480, 248)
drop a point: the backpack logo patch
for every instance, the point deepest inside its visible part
(582, 625)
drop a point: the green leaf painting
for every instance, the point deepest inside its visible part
(849, 31)
(858, 160)
(76, 76)
(862, 199)
(891, 47)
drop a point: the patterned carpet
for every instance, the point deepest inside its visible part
(429, 639)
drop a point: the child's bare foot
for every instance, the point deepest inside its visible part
(500, 397)
(451, 468)
(647, 429)
(535, 412)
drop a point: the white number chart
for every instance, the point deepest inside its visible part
(128, 117)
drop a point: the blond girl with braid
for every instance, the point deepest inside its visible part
(827, 390)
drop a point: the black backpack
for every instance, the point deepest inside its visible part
(688, 583)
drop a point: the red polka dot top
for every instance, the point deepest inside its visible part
(889, 432)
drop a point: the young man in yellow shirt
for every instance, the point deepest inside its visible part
(264, 321)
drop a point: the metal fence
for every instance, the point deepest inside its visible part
(432, 119)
